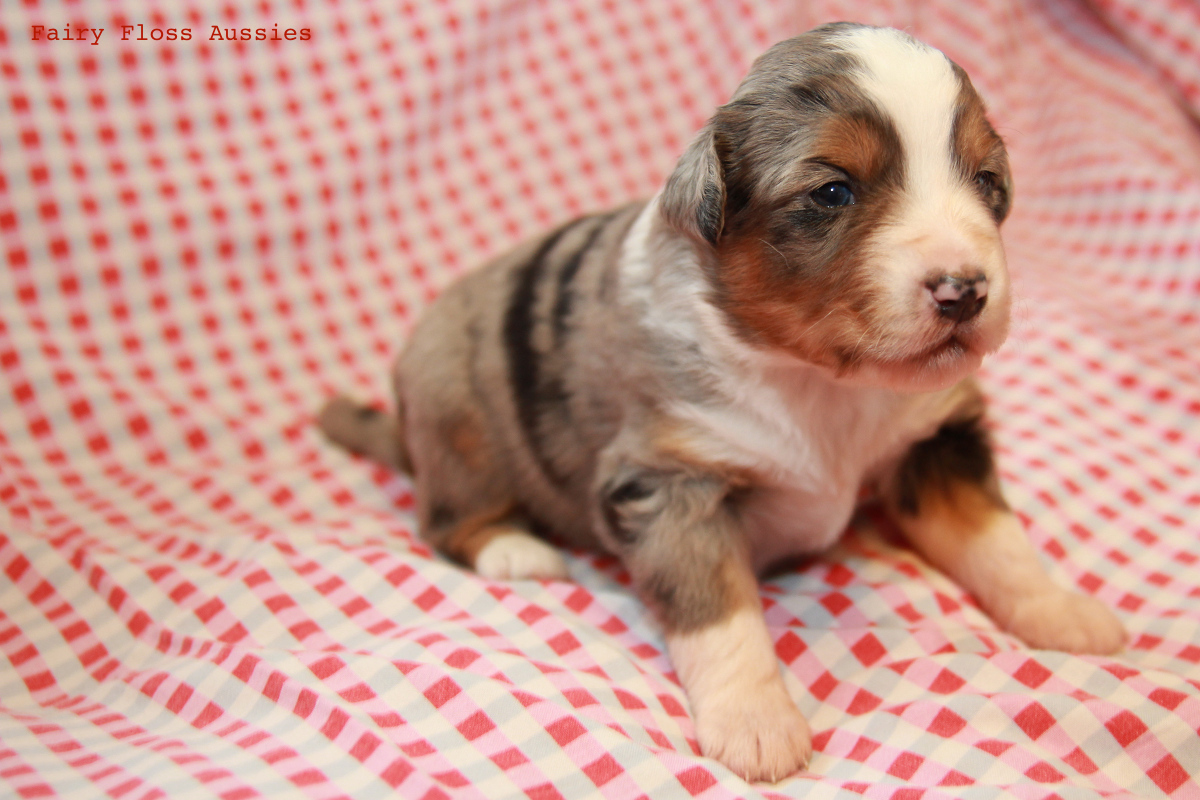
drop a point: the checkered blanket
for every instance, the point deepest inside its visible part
(204, 235)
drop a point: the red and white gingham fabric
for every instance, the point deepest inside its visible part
(201, 239)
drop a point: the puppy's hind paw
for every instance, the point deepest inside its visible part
(513, 555)
(1062, 620)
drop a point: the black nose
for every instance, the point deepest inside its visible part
(959, 299)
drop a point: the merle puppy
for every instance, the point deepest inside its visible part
(704, 383)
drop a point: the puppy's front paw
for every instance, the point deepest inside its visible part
(762, 737)
(1062, 620)
(516, 555)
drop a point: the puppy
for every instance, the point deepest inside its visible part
(702, 384)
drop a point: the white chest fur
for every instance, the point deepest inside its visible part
(814, 443)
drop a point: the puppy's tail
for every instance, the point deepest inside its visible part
(366, 431)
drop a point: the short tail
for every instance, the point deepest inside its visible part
(366, 431)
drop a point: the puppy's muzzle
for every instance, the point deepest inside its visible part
(959, 299)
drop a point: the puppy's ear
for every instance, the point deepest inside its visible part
(693, 201)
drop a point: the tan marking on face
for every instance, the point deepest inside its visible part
(978, 148)
(809, 298)
(857, 146)
(792, 274)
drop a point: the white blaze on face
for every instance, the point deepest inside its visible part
(915, 87)
(940, 226)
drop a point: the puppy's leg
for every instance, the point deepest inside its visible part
(744, 715)
(365, 431)
(684, 549)
(511, 553)
(947, 500)
(495, 542)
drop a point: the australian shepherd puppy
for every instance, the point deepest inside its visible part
(704, 383)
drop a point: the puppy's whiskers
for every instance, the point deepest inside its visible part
(854, 351)
(818, 322)
(776, 249)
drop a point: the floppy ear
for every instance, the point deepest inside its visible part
(693, 201)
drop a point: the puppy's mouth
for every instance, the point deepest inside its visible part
(934, 367)
(952, 348)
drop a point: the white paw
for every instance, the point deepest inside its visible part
(762, 737)
(1062, 620)
(519, 555)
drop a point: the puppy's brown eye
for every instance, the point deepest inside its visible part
(833, 195)
(987, 182)
(993, 191)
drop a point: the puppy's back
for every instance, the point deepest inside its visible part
(509, 383)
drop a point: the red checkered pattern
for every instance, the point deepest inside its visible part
(201, 239)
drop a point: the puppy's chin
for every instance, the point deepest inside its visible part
(914, 356)
(938, 369)
(933, 367)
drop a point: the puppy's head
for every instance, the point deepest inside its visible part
(848, 200)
